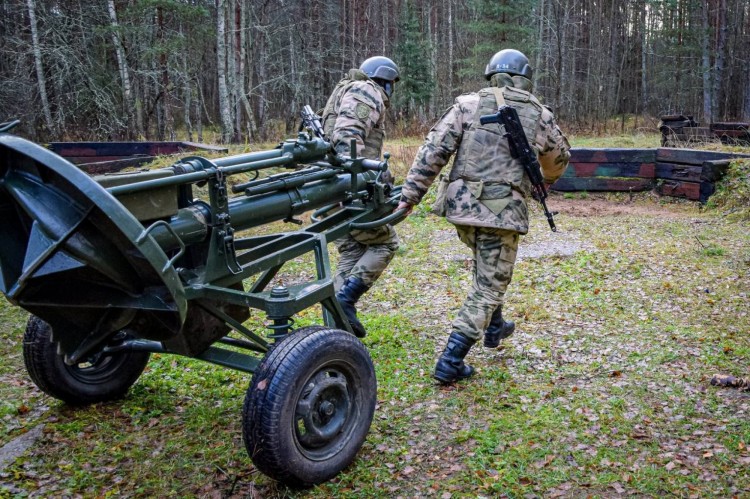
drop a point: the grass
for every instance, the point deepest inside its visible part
(603, 390)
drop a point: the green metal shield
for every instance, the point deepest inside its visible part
(72, 255)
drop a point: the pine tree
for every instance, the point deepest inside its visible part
(412, 54)
(497, 25)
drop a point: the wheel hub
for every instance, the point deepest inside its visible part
(323, 410)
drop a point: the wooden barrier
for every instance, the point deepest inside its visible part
(686, 173)
(109, 157)
(680, 129)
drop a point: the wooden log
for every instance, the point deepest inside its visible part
(697, 133)
(692, 156)
(89, 152)
(706, 190)
(609, 155)
(742, 127)
(116, 149)
(610, 170)
(676, 171)
(113, 166)
(733, 136)
(602, 184)
(196, 146)
(85, 160)
(679, 189)
(673, 117)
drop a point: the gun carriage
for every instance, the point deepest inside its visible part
(115, 268)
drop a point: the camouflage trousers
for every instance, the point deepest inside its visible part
(494, 256)
(365, 254)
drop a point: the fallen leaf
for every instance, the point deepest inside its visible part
(618, 488)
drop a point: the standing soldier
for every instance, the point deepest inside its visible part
(485, 195)
(356, 110)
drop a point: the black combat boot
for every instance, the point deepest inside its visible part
(498, 329)
(450, 366)
(347, 296)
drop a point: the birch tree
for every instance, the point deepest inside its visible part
(221, 73)
(124, 71)
(38, 65)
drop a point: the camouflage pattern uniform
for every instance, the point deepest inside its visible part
(486, 191)
(356, 110)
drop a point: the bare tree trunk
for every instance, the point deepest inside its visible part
(432, 27)
(721, 42)
(188, 94)
(538, 60)
(352, 42)
(292, 72)
(344, 40)
(186, 111)
(746, 68)
(221, 72)
(166, 105)
(39, 68)
(233, 67)
(644, 59)
(199, 113)
(122, 65)
(708, 112)
(262, 43)
(242, 76)
(384, 35)
(450, 48)
(612, 73)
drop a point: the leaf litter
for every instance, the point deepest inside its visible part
(604, 390)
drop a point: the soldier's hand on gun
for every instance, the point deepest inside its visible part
(404, 206)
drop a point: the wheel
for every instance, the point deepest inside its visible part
(309, 406)
(100, 378)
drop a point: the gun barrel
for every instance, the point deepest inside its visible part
(91, 260)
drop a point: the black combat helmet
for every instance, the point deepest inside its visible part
(380, 67)
(509, 61)
(383, 70)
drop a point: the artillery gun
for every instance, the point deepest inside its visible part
(115, 268)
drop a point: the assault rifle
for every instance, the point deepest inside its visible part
(521, 150)
(311, 121)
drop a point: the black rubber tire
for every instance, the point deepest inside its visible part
(328, 371)
(104, 377)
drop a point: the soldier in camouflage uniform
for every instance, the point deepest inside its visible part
(356, 110)
(485, 195)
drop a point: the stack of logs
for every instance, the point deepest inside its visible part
(110, 157)
(678, 129)
(682, 173)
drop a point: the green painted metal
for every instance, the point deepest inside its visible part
(139, 252)
(72, 255)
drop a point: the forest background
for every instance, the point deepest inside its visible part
(169, 69)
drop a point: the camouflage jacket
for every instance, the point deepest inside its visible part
(356, 109)
(486, 187)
